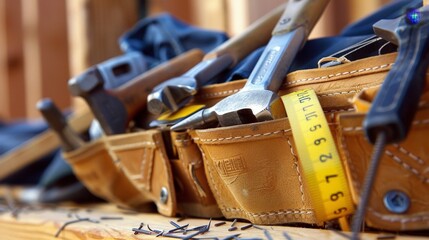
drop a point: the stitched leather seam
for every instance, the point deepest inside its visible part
(241, 137)
(409, 154)
(418, 122)
(284, 212)
(215, 94)
(212, 183)
(133, 145)
(397, 219)
(406, 166)
(377, 85)
(145, 183)
(352, 167)
(295, 162)
(339, 74)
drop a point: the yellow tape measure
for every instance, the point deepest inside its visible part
(323, 173)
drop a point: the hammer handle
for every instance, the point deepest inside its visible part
(256, 35)
(134, 93)
(300, 13)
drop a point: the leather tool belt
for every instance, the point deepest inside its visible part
(252, 171)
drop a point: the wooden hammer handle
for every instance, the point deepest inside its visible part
(300, 13)
(256, 35)
(134, 93)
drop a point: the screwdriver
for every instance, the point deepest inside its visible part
(393, 110)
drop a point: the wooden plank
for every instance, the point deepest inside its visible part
(12, 91)
(4, 102)
(94, 27)
(210, 14)
(53, 52)
(41, 145)
(107, 222)
(182, 9)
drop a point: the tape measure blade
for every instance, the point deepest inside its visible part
(321, 165)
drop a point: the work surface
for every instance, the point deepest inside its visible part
(108, 222)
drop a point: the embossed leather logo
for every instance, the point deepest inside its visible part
(231, 166)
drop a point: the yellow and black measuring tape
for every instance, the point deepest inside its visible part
(321, 165)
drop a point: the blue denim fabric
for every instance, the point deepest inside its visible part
(163, 37)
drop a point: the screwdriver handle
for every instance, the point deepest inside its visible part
(256, 35)
(397, 101)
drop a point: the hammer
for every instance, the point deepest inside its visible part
(115, 108)
(252, 102)
(70, 140)
(175, 93)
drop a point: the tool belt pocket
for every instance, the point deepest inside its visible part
(194, 196)
(400, 195)
(175, 182)
(145, 164)
(95, 167)
(254, 173)
(254, 170)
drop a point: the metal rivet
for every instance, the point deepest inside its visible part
(396, 201)
(163, 195)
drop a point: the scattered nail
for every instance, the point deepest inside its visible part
(246, 227)
(138, 230)
(232, 229)
(268, 235)
(219, 224)
(111, 218)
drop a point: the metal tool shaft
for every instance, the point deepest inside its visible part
(70, 140)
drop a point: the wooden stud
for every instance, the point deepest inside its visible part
(12, 90)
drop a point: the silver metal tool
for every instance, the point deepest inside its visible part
(177, 92)
(252, 103)
(70, 140)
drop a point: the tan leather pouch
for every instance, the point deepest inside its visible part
(400, 195)
(253, 169)
(95, 167)
(194, 197)
(145, 163)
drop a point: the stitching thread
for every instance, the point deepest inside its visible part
(215, 94)
(352, 167)
(406, 166)
(418, 122)
(397, 219)
(409, 154)
(284, 212)
(338, 74)
(241, 137)
(295, 162)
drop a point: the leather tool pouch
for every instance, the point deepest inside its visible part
(134, 169)
(95, 167)
(400, 195)
(254, 171)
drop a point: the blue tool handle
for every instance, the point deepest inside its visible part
(396, 103)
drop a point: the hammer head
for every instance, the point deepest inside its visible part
(90, 85)
(245, 107)
(172, 94)
(87, 82)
